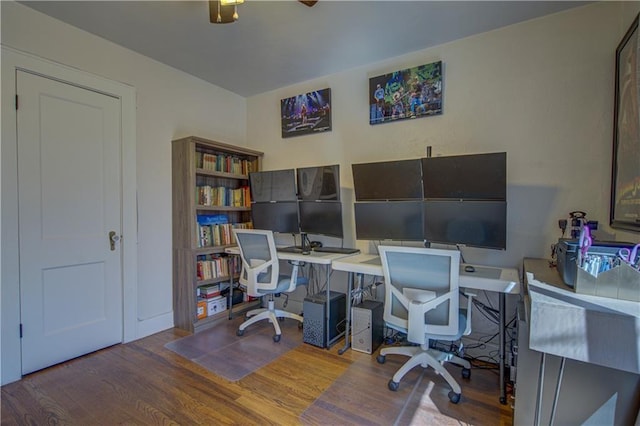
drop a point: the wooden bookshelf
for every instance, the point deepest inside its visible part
(209, 179)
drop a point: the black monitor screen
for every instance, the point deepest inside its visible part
(278, 217)
(469, 177)
(321, 218)
(389, 220)
(319, 183)
(472, 223)
(273, 185)
(388, 180)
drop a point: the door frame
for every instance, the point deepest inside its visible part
(12, 60)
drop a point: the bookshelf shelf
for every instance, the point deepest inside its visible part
(211, 249)
(205, 172)
(224, 279)
(222, 208)
(210, 196)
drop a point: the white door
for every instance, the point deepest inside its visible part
(69, 200)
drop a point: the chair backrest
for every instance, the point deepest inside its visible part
(413, 276)
(260, 267)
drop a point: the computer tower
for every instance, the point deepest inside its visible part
(314, 326)
(367, 326)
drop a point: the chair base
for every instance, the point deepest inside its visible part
(270, 313)
(426, 357)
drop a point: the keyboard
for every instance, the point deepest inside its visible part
(340, 250)
(290, 249)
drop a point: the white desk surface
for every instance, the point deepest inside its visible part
(314, 257)
(358, 264)
(586, 328)
(487, 278)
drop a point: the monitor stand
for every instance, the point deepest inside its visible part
(306, 245)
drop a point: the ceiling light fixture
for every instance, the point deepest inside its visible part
(223, 11)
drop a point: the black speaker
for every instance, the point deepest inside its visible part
(314, 314)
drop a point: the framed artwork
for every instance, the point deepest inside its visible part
(306, 114)
(405, 94)
(625, 181)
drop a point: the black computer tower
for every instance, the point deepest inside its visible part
(367, 326)
(314, 314)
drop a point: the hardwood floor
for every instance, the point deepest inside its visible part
(144, 383)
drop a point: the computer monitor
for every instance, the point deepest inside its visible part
(273, 185)
(319, 183)
(388, 180)
(321, 218)
(280, 216)
(389, 220)
(466, 177)
(471, 223)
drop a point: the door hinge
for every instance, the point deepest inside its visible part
(16, 102)
(21, 331)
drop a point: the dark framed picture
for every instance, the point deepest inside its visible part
(625, 181)
(406, 94)
(306, 114)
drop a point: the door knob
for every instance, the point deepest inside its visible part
(113, 239)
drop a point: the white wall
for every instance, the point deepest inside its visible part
(170, 105)
(541, 90)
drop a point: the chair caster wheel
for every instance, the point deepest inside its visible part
(466, 373)
(393, 385)
(239, 332)
(381, 359)
(454, 397)
(276, 338)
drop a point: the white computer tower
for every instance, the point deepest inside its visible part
(367, 326)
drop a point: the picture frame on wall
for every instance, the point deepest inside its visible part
(406, 94)
(306, 114)
(625, 180)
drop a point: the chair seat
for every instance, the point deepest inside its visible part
(462, 325)
(283, 284)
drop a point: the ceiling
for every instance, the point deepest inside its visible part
(278, 43)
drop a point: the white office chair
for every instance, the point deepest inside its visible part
(260, 275)
(422, 300)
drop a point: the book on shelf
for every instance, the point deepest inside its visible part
(207, 195)
(223, 163)
(219, 234)
(209, 291)
(210, 266)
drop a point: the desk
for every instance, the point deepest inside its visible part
(326, 259)
(317, 258)
(502, 281)
(600, 333)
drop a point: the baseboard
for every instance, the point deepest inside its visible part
(153, 325)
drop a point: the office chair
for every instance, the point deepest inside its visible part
(261, 277)
(422, 300)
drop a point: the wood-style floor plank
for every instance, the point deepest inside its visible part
(144, 383)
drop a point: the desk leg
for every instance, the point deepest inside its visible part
(346, 337)
(538, 414)
(502, 308)
(557, 395)
(230, 294)
(327, 311)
